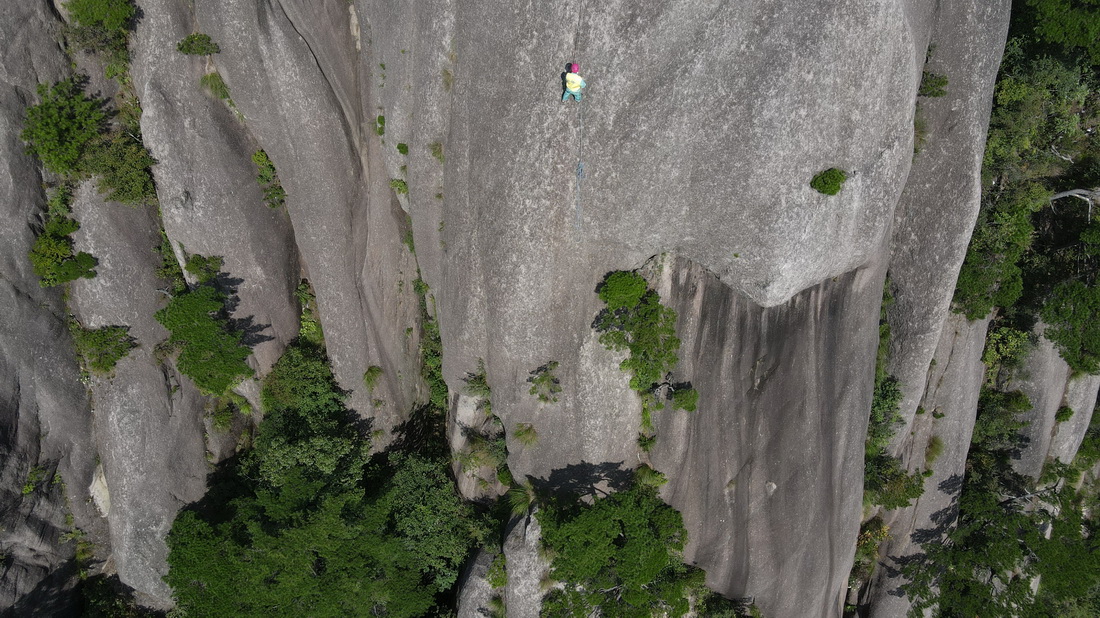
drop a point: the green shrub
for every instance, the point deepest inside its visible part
(1005, 349)
(932, 85)
(205, 269)
(885, 482)
(1063, 414)
(63, 126)
(371, 377)
(169, 269)
(380, 125)
(622, 290)
(268, 178)
(222, 417)
(101, 348)
(198, 45)
(636, 321)
(685, 399)
(645, 475)
(933, 451)
(477, 383)
(526, 435)
(215, 85)
(646, 442)
(399, 186)
(829, 182)
(403, 148)
(436, 149)
(497, 575)
(106, 14)
(309, 324)
(544, 384)
(630, 542)
(52, 254)
(212, 354)
(122, 164)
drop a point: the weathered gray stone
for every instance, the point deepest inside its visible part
(474, 590)
(1047, 381)
(347, 225)
(210, 201)
(526, 567)
(1080, 396)
(148, 418)
(938, 207)
(44, 417)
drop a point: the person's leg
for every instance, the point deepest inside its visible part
(565, 96)
(577, 95)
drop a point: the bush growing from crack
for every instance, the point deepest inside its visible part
(932, 85)
(268, 178)
(198, 44)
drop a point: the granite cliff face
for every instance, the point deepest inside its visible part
(690, 156)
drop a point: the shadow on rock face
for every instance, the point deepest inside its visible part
(586, 479)
(944, 520)
(53, 596)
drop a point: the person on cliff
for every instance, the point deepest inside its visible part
(573, 83)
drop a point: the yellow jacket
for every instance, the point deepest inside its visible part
(574, 82)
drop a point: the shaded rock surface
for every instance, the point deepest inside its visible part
(44, 409)
(1047, 381)
(768, 471)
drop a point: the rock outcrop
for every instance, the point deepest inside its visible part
(425, 144)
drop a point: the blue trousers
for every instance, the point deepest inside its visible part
(569, 93)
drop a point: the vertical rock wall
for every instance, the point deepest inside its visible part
(44, 410)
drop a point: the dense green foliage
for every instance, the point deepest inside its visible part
(102, 348)
(983, 566)
(122, 164)
(106, 14)
(829, 181)
(211, 352)
(63, 126)
(274, 194)
(102, 26)
(620, 556)
(622, 290)
(309, 524)
(399, 186)
(1031, 258)
(1072, 315)
(52, 254)
(198, 44)
(636, 321)
(69, 132)
(1069, 23)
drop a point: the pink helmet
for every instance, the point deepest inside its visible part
(575, 67)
